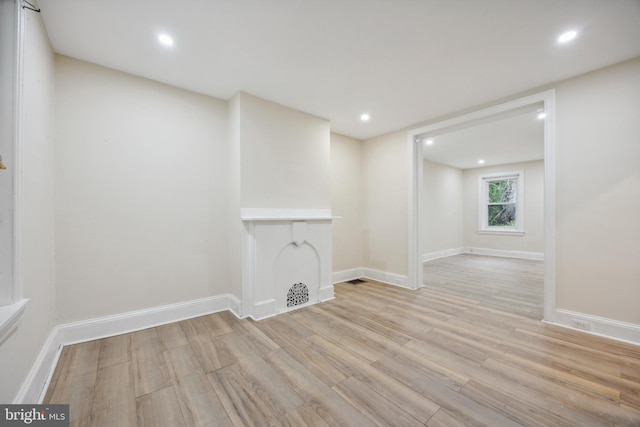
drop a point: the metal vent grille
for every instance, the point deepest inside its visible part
(298, 294)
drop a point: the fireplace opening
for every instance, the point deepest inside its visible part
(298, 294)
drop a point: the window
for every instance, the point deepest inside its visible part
(501, 203)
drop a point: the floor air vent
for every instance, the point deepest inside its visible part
(298, 294)
(356, 281)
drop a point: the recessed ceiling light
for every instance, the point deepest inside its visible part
(429, 141)
(567, 36)
(365, 117)
(165, 39)
(480, 162)
(542, 115)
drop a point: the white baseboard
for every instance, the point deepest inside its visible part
(346, 275)
(537, 256)
(369, 273)
(103, 327)
(388, 278)
(235, 306)
(441, 254)
(430, 256)
(609, 328)
(326, 293)
(35, 385)
(263, 309)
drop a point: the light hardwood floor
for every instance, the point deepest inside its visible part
(467, 349)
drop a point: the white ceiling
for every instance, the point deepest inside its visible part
(402, 61)
(517, 138)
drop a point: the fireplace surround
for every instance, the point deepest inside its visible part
(286, 260)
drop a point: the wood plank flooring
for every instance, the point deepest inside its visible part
(468, 349)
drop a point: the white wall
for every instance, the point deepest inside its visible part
(141, 193)
(234, 224)
(443, 207)
(346, 202)
(533, 239)
(285, 156)
(8, 79)
(598, 193)
(385, 183)
(19, 352)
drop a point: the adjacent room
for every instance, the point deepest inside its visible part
(482, 204)
(343, 213)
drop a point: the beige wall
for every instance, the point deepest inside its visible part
(385, 181)
(141, 193)
(450, 207)
(598, 193)
(346, 202)
(285, 156)
(533, 239)
(443, 207)
(596, 170)
(19, 352)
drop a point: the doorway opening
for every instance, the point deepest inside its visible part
(417, 140)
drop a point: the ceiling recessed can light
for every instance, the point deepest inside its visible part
(365, 117)
(429, 141)
(480, 162)
(165, 39)
(567, 36)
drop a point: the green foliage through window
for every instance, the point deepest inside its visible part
(501, 203)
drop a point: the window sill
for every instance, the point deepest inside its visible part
(502, 232)
(10, 316)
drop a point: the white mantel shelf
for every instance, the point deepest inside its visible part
(266, 214)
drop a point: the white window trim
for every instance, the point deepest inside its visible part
(483, 226)
(11, 314)
(10, 317)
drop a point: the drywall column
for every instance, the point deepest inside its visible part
(284, 156)
(346, 203)
(279, 160)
